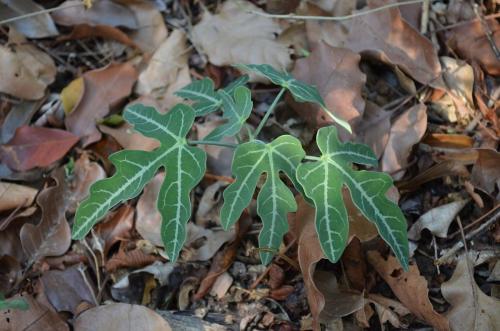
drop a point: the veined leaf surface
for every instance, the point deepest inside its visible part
(236, 111)
(202, 92)
(322, 181)
(184, 165)
(275, 199)
(301, 91)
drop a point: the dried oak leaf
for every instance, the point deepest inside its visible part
(409, 287)
(52, 236)
(235, 35)
(120, 316)
(390, 38)
(104, 88)
(36, 147)
(471, 309)
(37, 317)
(335, 72)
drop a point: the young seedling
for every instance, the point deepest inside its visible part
(319, 179)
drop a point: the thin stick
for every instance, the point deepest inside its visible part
(269, 112)
(336, 18)
(36, 13)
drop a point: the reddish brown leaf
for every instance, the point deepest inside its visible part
(409, 287)
(36, 147)
(135, 258)
(84, 31)
(116, 227)
(486, 170)
(336, 73)
(104, 88)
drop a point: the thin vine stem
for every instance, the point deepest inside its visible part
(311, 158)
(336, 18)
(214, 143)
(268, 113)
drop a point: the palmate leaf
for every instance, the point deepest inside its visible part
(275, 199)
(301, 91)
(236, 111)
(206, 99)
(322, 181)
(184, 166)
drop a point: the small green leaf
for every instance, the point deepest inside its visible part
(301, 91)
(322, 181)
(203, 93)
(184, 165)
(235, 111)
(206, 99)
(20, 303)
(275, 199)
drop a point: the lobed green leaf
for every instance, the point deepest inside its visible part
(322, 181)
(275, 200)
(184, 165)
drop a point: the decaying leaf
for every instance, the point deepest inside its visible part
(336, 74)
(409, 287)
(486, 171)
(37, 26)
(151, 29)
(437, 220)
(406, 131)
(120, 316)
(471, 309)
(15, 195)
(117, 226)
(33, 147)
(104, 88)
(235, 35)
(374, 128)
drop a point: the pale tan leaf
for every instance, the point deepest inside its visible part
(15, 195)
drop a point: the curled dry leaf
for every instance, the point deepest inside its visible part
(66, 289)
(437, 220)
(235, 35)
(102, 12)
(409, 287)
(37, 317)
(389, 37)
(336, 73)
(406, 131)
(26, 71)
(15, 196)
(52, 236)
(33, 147)
(37, 26)
(471, 309)
(104, 88)
(120, 316)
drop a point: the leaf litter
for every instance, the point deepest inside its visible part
(425, 102)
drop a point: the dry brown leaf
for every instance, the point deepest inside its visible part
(65, 290)
(33, 147)
(15, 196)
(84, 31)
(471, 42)
(37, 317)
(471, 308)
(406, 131)
(37, 26)
(486, 171)
(208, 212)
(374, 128)
(336, 73)
(52, 236)
(459, 78)
(409, 287)
(151, 30)
(235, 36)
(121, 316)
(26, 71)
(104, 88)
(134, 258)
(103, 12)
(444, 140)
(116, 227)
(128, 138)
(165, 66)
(148, 219)
(390, 38)
(201, 244)
(437, 220)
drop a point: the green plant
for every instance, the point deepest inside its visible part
(319, 178)
(19, 303)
